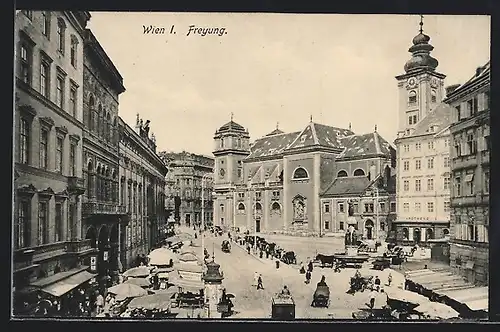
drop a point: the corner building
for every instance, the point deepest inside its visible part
(142, 191)
(423, 144)
(48, 239)
(277, 183)
(470, 151)
(104, 218)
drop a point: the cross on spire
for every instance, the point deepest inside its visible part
(421, 23)
(311, 118)
(277, 125)
(232, 116)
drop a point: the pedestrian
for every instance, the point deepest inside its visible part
(308, 277)
(389, 279)
(99, 303)
(255, 278)
(310, 266)
(248, 249)
(373, 296)
(259, 282)
(377, 283)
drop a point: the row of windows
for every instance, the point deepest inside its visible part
(464, 186)
(417, 234)
(357, 172)
(412, 97)
(471, 232)
(472, 145)
(430, 145)
(326, 225)
(99, 121)
(417, 207)
(430, 163)
(368, 208)
(430, 184)
(275, 207)
(25, 148)
(472, 106)
(61, 230)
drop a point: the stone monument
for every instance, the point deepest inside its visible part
(213, 289)
(351, 240)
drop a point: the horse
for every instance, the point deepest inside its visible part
(289, 258)
(326, 260)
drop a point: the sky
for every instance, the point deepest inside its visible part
(275, 69)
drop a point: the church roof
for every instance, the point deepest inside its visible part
(365, 145)
(437, 120)
(327, 172)
(348, 186)
(231, 125)
(271, 145)
(320, 135)
(276, 131)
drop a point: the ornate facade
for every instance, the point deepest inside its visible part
(141, 190)
(279, 182)
(48, 237)
(470, 167)
(186, 173)
(104, 217)
(423, 151)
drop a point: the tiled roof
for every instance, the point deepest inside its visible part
(485, 71)
(365, 145)
(320, 135)
(348, 185)
(231, 125)
(271, 145)
(439, 118)
(327, 172)
(275, 132)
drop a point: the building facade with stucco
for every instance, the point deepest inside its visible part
(280, 182)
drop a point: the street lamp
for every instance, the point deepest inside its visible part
(253, 193)
(204, 177)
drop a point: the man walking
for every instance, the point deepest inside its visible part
(259, 282)
(373, 295)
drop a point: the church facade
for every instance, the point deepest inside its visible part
(281, 181)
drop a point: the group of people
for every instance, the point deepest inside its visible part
(307, 272)
(257, 281)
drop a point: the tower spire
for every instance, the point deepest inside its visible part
(231, 116)
(277, 125)
(421, 23)
(311, 118)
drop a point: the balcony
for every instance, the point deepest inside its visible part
(76, 185)
(469, 161)
(23, 260)
(479, 199)
(90, 208)
(80, 247)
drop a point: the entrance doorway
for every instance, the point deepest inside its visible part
(188, 220)
(369, 229)
(257, 226)
(416, 235)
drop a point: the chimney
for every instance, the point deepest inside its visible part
(449, 89)
(479, 70)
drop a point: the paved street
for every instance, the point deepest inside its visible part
(239, 267)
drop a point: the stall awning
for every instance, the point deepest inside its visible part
(187, 285)
(40, 283)
(476, 298)
(63, 286)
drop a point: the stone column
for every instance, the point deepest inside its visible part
(410, 233)
(265, 212)
(423, 233)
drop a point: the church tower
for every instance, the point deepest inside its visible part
(421, 87)
(232, 145)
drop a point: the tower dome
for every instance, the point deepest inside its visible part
(420, 50)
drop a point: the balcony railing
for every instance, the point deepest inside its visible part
(26, 257)
(464, 162)
(76, 184)
(79, 246)
(103, 208)
(480, 199)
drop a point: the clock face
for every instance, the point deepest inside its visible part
(222, 172)
(411, 81)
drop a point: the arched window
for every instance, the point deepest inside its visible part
(91, 116)
(61, 29)
(406, 234)
(115, 132)
(446, 232)
(412, 97)
(342, 174)
(258, 206)
(73, 51)
(46, 24)
(108, 127)
(300, 173)
(100, 119)
(359, 172)
(90, 180)
(241, 207)
(275, 207)
(433, 96)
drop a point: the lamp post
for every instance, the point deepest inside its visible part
(205, 176)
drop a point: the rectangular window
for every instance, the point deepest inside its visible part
(446, 183)
(486, 104)
(430, 184)
(406, 185)
(327, 224)
(471, 144)
(458, 186)
(417, 207)
(415, 119)
(430, 206)
(25, 64)
(73, 52)
(446, 142)
(446, 163)
(393, 206)
(418, 164)
(58, 236)
(406, 207)
(341, 207)
(44, 79)
(24, 141)
(430, 145)
(60, 37)
(326, 208)
(469, 180)
(43, 229)
(459, 114)
(46, 24)
(59, 154)
(341, 225)
(44, 145)
(472, 106)
(486, 182)
(406, 165)
(406, 148)
(72, 160)
(368, 207)
(418, 146)
(73, 101)
(446, 206)
(418, 185)
(23, 229)
(60, 92)
(430, 163)
(382, 207)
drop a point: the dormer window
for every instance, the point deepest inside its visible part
(412, 97)
(359, 172)
(342, 174)
(433, 96)
(300, 173)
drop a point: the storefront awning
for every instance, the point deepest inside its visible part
(64, 286)
(187, 285)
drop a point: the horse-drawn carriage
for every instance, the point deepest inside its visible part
(226, 246)
(360, 283)
(326, 260)
(282, 307)
(321, 297)
(381, 263)
(289, 258)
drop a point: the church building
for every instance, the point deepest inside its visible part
(280, 181)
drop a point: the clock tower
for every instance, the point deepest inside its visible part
(421, 87)
(232, 145)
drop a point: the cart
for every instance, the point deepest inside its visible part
(283, 307)
(381, 264)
